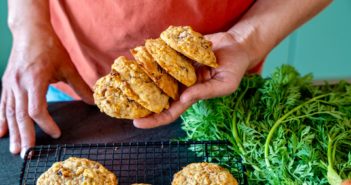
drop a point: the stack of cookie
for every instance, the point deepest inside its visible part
(136, 88)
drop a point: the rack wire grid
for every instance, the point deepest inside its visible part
(138, 162)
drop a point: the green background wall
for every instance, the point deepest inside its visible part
(5, 37)
(322, 46)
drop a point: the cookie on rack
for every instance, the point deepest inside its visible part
(77, 171)
(205, 174)
(172, 62)
(190, 43)
(110, 99)
(164, 81)
(137, 86)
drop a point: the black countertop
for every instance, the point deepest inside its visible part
(81, 123)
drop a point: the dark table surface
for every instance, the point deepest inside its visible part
(81, 123)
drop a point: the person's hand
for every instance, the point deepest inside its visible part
(233, 62)
(37, 59)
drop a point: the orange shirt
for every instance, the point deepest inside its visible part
(95, 32)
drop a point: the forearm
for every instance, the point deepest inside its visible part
(28, 15)
(270, 21)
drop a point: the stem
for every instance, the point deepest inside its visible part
(280, 120)
(330, 151)
(234, 124)
(308, 115)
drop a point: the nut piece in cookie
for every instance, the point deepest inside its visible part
(110, 99)
(164, 81)
(204, 173)
(173, 63)
(77, 171)
(190, 43)
(136, 85)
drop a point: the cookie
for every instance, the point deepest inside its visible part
(138, 86)
(204, 174)
(173, 63)
(110, 99)
(77, 171)
(190, 43)
(164, 81)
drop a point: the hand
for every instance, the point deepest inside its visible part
(233, 60)
(37, 59)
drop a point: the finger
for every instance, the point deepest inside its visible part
(74, 79)
(163, 118)
(25, 123)
(15, 142)
(3, 122)
(203, 74)
(208, 89)
(37, 109)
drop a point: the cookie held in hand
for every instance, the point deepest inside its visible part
(138, 86)
(175, 64)
(163, 80)
(110, 100)
(190, 43)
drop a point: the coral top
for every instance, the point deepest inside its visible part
(95, 32)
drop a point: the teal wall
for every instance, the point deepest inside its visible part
(322, 46)
(5, 37)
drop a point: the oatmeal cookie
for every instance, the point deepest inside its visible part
(110, 99)
(190, 43)
(77, 171)
(164, 81)
(137, 86)
(173, 63)
(204, 174)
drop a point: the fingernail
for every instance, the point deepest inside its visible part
(23, 152)
(187, 99)
(184, 98)
(14, 148)
(135, 123)
(57, 135)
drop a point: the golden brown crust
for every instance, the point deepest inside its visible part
(175, 64)
(138, 86)
(110, 99)
(204, 174)
(164, 81)
(190, 43)
(77, 171)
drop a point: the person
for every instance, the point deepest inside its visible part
(73, 43)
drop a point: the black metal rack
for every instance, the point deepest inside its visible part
(138, 162)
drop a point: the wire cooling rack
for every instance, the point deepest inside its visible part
(140, 162)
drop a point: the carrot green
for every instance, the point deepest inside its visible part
(287, 130)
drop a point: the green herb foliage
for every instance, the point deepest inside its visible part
(287, 130)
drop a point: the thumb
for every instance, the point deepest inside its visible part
(209, 89)
(74, 79)
(205, 90)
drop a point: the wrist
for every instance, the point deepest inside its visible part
(33, 32)
(247, 37)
